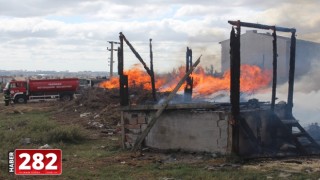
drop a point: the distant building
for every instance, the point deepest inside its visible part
(5, 79)
(256, 49)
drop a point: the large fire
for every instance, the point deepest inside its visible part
(252, 79)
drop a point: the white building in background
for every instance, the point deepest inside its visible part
(256, 49)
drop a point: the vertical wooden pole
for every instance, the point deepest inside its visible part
(291, 75)
(123, 80)
(120, 55)
(235, 63)
(189, 81)
(274, 81)
(152, 74)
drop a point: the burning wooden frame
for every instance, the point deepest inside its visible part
(259, 129)
(124, 95)
(235, 62)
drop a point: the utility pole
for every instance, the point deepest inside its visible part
(111, 56)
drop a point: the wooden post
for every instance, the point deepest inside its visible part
(291, 75)
(155, 117)
(235, 86)
(120, 55)
(123, 79)
(274, 81)
(189, 81)
(152, 74)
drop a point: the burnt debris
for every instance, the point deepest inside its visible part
(189, 81)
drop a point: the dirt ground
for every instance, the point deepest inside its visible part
(102, 157)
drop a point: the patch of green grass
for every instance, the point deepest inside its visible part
(15, 128)
(39, 128)
(189, 171)
(94, 159)
(68, 134)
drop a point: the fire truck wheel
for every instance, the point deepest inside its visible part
(66, 97)
(20, 99)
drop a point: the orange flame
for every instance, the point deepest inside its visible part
(252, 79)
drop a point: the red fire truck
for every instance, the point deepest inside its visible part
(36, 90)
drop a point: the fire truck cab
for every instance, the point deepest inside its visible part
(16, 91)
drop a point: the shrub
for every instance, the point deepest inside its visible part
(67, 134)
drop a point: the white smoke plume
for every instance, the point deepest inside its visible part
(306, 97)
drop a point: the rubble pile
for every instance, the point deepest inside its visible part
(98, 108)
(95, 108)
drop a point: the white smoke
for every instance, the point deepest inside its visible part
(306, 97)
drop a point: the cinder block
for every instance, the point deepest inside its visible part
(132, 126)
(134, 115)
(126, 115)
(135, 131)
(133, 121)
(141, 119)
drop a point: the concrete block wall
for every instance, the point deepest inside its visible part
(134, 123)
(189, 130)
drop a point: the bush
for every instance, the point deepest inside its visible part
(66, 134)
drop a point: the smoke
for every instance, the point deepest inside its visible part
(306, 97)
(310, 82)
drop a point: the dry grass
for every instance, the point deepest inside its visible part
(103, 158)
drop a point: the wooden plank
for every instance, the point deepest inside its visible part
(155, 117)
(136, 54)
(152, 74)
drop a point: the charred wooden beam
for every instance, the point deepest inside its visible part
(137, 54)
(149, 71)
(120, 61)
(235, 72)
(124, 91)
(123, 79)
(155, 117)
(235, 63)
(189, 80)
(120, 56)
(188, 59)
(275, 62)
(152, 74)
(291, 75)
(261, 26)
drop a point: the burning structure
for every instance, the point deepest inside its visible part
(250, 128)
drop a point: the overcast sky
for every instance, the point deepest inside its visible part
(73, 34)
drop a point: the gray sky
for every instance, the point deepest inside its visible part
(73, 34)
